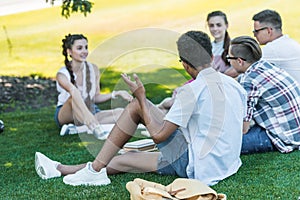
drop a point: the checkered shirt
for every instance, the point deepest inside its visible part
(274, 103)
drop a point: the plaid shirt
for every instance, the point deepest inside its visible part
(274, 103)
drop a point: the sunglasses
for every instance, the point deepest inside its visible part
(234, 58)
(255, 31)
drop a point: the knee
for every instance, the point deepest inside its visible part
(118, 111)
(134, 105)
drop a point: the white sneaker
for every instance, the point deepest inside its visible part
(45, 167)
(68, 129)
(100, 133)
(86, 176)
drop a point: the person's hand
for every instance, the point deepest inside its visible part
(124, 94)
(136, 87)
(246, 127)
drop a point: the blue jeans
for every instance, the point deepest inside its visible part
(174, 155)
(256, 141)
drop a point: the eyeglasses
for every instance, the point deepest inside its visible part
(234, 58)
(255, 31)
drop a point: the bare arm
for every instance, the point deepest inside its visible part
(100, 98)
(70, 88)
(159, 129)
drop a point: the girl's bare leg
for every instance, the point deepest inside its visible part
(109, 116)
(65, 115)
(76, 110)
(80, 111)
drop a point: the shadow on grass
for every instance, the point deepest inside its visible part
(31, 93)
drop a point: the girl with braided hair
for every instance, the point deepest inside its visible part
(79, 92)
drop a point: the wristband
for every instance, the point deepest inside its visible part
(113, 95)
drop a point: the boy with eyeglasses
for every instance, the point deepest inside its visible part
(279, 49)
(273, 100)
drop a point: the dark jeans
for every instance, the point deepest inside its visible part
(256, 141)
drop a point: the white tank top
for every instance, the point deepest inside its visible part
(64, 95)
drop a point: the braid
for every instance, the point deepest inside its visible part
(67, 44)
(226, 48)
(88, 100)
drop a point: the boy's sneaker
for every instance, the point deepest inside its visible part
(100, 133)
(87, 176)
(68, 129)
(45, 167)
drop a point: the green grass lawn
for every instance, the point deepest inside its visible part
(36, 49)
(262, 176)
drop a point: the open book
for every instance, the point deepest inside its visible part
(139, 145)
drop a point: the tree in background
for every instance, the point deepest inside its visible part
(69, 6)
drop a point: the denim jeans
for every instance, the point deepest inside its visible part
(174, 155)
(256, 141)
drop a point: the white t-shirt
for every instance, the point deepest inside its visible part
(284, 52)
(210, 112)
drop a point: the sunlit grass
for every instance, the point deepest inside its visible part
(36, 36)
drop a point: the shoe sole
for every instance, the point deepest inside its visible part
(63, 130)
(94, 183)
(38, 168)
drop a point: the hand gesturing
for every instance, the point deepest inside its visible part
(136, 87)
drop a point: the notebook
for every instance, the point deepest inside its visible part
(139, 145)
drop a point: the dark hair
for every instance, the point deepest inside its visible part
(270, 17)
(68, 42)
(247, 48)
(194, 48)
(226, 38)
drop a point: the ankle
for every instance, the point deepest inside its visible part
(96, 166)
(59, 167)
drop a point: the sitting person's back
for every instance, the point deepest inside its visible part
(218, 111)
(273, 100)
